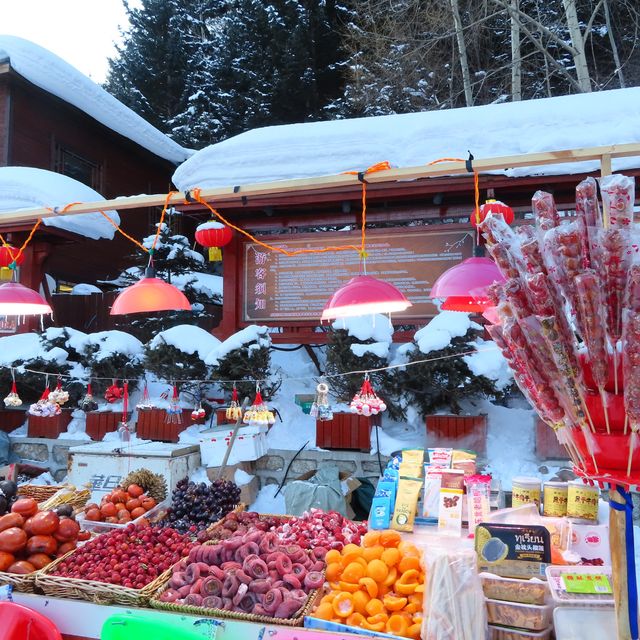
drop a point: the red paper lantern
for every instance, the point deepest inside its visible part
(213, 235)
(9, 254)
(494, 207)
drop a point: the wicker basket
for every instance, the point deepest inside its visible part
(93, 591)
(24, 583)
(75, 498)
(238, 509)
(39, 493)
(307, 608)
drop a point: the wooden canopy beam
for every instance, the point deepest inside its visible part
(234, 194)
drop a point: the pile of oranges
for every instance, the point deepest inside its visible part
(377, 586)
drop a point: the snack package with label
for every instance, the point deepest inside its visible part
(431, 499)
(513, 551)
(413, 456)
(464, 460)
(590, 543)
(406, 505)
(440, 457)
(450, 506)
(478, 497)
(388, 484)
(381, 509)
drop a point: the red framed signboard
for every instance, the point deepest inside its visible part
(294, 289)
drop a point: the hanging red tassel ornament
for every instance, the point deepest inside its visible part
(88, 402)
(145, 404)
(258, 414)
(113, 393)
(13, 399)
(123, 429)
(234, 411)
(366, 402)
(174, 412)
(59, 395)
(198, 412)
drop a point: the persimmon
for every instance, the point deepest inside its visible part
(374, 606)
(360, 600)
(370, 539)
(397, 625)
(373, 553)
(324, 611)
(390, 557)
(353, 572)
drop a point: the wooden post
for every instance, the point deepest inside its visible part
(231, 313)
(605, 165)
(236, 428)
(619, 567)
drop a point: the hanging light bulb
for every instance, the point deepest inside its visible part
(364, 295)
(148, 295)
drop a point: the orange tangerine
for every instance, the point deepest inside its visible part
(353, 572)
(409, 562)
(360, 600)
(397, 625)
(415, 598)
(348, 586)
(406, 584)
(390, 557)
(333, 572)
(414, 631)
(329, 596)
(355, 619)
(373, 553)
(412, 607)
(343, 605)
(382, 590)
(370, 585)
(377, 570)
(324, 611)
(391, 577)
(374, 606)
(379, 617)
(370, 539)
(390, 538)
(333, 555)
(393, 603)
(351, 548)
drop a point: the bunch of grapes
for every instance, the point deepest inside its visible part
(197, 506)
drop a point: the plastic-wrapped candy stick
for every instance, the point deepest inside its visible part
(545, 212)
(517, 296)
(618, 193)
(631, 369)
(588, 212)
(504, 259)
(631, 310)
(495, 230)
(530, 248)
(594, 335)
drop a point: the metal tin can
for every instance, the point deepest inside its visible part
(582, 502)
(525, 490)
(554, 499)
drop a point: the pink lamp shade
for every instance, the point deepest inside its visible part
(464, 286)
(148, 295)
(18, 300)
(364, 295)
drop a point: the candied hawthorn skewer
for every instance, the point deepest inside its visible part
(618, 194)
(544, 211)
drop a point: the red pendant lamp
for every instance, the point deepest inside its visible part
(364, 295)
(18, 300)
(464, 286)
(148, 295)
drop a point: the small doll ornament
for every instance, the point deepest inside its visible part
(321, 409)
(174, 412)
(234, 411)
(258, 414)
(366, 402)
(88, 402)
(45, 408)
(59, 395)
(145, 404)
(13, 399)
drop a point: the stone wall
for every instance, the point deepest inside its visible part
(45, 452)
(271, 468)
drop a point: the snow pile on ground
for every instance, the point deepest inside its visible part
(85, 289)
(199, 475)
(192, 434)
(332, 147)
(253, 335)
(268, 502)
(77, 428)
(241, 477)
(46, 70)
(114, 436)
(44, 479)
(372, 327)
(442, 329)
(22, 346)
(296, 427)
(28, 188)
(187, 338)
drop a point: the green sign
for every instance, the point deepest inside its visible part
(589, 583)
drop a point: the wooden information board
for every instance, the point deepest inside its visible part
(289, 289)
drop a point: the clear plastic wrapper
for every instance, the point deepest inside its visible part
(517, 296)
(544, 211)
(530, 249)
(588, 212)
(504, 259)
(495, 230)
(618, 193)
(631, 358)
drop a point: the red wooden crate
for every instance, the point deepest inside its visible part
(50, 427)
(99, 423)
(547, 445)
(152, 425)
(11, 419)
(462, 432)
(346, 431)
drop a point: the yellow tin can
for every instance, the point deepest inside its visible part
(582, 502)
(525, 490)
(554, 499)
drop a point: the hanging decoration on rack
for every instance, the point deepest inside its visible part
(258, 414)
(145, 404)
(174, 412)
(198, 412)
(234, 410)
(321, 409)
(88, 403)
(13, 399)
(113, 393)
(366, 402)
(124, 431)
(213, 236)
(45, 408)
(59, 395)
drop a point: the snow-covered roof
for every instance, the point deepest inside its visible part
(49, 72)
(326, 148)
(27, 188)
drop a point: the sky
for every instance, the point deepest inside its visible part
(82, 32)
